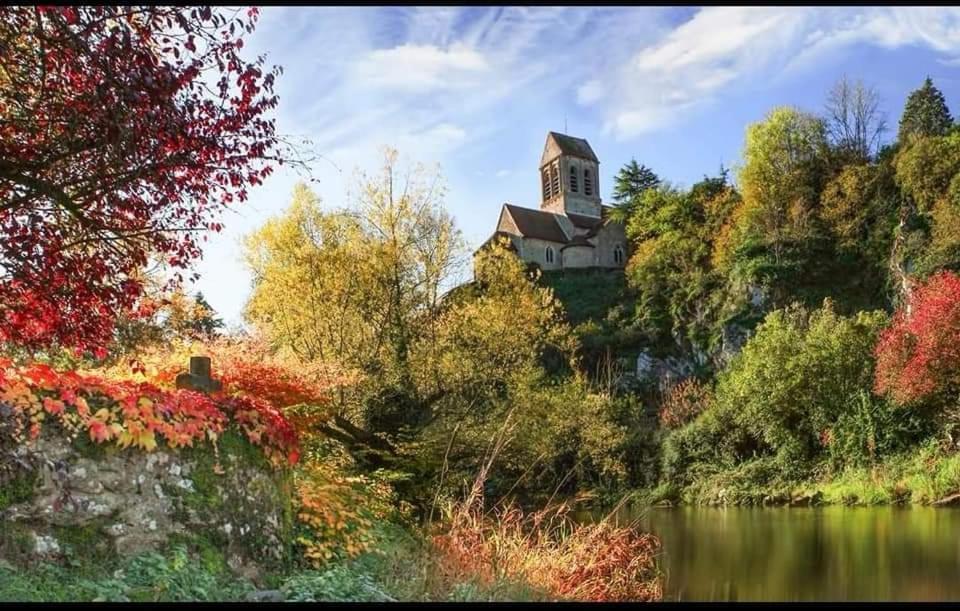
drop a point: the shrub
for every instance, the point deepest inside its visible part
(796, 376)
(868, 429)
(339, 584)
(684, 403)
(918, 355)
(339, 511)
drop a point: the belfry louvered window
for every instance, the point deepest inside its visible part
(555, 178)
(545, 180)
(573, 178)
(587, 183)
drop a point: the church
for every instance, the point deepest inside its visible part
(572, 228)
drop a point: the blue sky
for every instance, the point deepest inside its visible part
(476, 89)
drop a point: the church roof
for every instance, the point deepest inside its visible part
(584, 222)
(576, 147)
(591, 223)
(537, 224)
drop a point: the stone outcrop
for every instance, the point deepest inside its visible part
(64, 498)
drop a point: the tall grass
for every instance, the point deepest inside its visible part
(548, 551)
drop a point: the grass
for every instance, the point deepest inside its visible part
(922, 476)
(545, 555)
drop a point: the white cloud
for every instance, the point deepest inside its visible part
(421, 68)
(724, 47)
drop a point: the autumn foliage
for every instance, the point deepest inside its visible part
(124, 131)
(546, 549)
(918, 356)
(136, 414)
(683, 403)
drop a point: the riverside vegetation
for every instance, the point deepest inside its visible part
(436, 441)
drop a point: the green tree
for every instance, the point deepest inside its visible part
(355, 287)
(631, 182)
(784, 167)
(925, 113)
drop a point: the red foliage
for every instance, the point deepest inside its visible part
(918, 355)
(685, 402)
(123, 133)
(137, 413)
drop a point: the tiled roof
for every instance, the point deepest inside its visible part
(537, 224)
(577, 147)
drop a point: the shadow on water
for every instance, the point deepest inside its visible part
(804, 554)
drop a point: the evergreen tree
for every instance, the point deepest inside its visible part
(632, 180)
(206, 322)
(925, 113)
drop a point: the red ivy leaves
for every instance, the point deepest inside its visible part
(918, 356)
(139, 414)
(123, 132)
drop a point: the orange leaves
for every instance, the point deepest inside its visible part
(339, 511)
(140, 415)
(53, 406)
(548, 550)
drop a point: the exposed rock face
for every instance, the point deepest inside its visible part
(733, 338)
(664, 372)
(130, 501)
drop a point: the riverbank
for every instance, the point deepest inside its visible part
(928, 476)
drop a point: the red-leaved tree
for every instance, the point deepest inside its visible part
(124, 131)
(918, 355)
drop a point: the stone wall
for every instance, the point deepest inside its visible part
(61, 499)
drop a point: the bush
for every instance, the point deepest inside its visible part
(710, 443)
(684, 403)
(797, 375)
(339, 584)
(870, 428)
(918, 355)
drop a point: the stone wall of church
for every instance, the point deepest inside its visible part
(535, 251)
(607, 239)
(579, 257)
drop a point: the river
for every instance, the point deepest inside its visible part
(803, 554)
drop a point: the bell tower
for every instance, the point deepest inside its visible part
(569, 177)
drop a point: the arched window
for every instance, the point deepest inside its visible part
(549, 254)
(618, 254)
(555, 178)
(573, 178)
(545, 180)
(587, 183)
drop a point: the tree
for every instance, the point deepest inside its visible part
(780, 179)
(630, 182)
(124, 131)
(918, 355)
(204, 321)
(925, 114)
(357, 287)
(854, 121)
(163, 317)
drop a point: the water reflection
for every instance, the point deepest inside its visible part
(792, 554)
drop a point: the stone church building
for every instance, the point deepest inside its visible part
(572, 228)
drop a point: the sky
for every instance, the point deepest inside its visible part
(476, 89)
